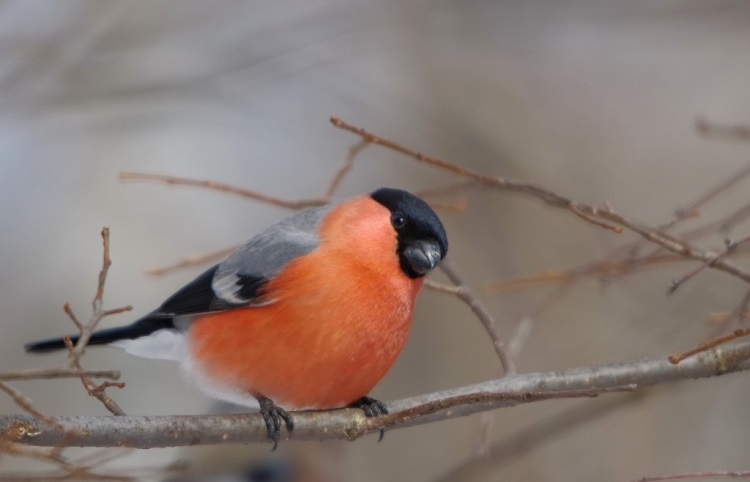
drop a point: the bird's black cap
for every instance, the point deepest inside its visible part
(422, 241)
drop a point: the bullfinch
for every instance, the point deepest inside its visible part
(310, 313)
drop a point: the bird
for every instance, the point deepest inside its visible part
(309, 314)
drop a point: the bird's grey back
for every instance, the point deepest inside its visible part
(266, 253)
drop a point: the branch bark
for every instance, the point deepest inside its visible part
(172, 431)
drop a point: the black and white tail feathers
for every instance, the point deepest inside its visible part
(144, 326)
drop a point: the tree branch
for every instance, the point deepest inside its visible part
(173, 431)
(50, 373)
(604, 217)
(485, 317)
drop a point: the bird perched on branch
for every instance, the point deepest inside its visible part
(310, 313)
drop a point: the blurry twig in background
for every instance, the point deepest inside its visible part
(697, 475)
(731, 247)
(336, 179)
(623, 261)
(24, 402)
(188, 261)
(541, 432)
(88, 467)
(735, 132)
(218, 186)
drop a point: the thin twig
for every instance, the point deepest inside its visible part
(218, 186)
(707, 345)
(588, 218)
(696, 475)
(622, 260)
(605, 267)
(456, 206)
(737, 132)
(97, 391)
(69, 311)
(451, 290)
(333, 185)
(739, 312)
(731, 247)
(188, 261)
(24, 402)
(693, 209)
(52, 373)
(342, 171)
(488, 321)
(36, 453)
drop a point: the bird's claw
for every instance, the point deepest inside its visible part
(372, 408)
(273, 415)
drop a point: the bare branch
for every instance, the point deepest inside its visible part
(97, 391)
(86, 331)
(588, 218)
(740, 311)
(587, 212)
(737, 132)
(623, 260)
(731, 246)
(330, 190)
(52, 373)
(188, 261)
(170, 431)
(707, 345)
(485, 317)
(24, 402)
(342, 171)
(697, 475)
(218, 186)
(98, 313)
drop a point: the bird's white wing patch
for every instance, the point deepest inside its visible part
(161, 345)
(226, 287)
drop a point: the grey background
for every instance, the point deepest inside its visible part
(594, 99)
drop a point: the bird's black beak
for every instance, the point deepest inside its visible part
(423, 256)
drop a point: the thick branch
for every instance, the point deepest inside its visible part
(172, 431)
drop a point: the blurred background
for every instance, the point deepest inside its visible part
(596, 100)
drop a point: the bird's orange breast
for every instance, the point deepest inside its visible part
(337, 319)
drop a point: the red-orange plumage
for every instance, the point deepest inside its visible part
(337, 319)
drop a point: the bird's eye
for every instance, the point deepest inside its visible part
(398, 220)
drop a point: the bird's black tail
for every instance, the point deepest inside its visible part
(144, 326)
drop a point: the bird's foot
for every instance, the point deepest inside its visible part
(273, 415)
(372, 408)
